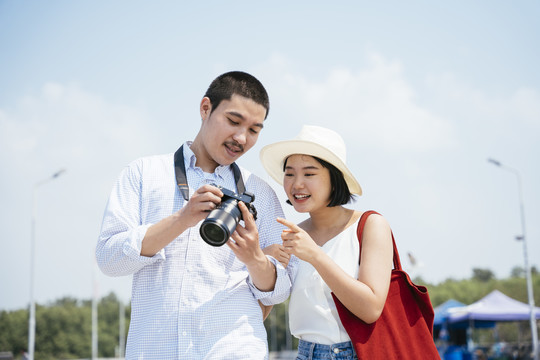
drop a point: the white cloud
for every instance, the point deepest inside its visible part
(475, 107)
(420, 152)
(72, 125)
(376, 104)
(525, 105)
(404, 144)
(63, 126)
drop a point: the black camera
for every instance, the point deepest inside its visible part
(220, 224)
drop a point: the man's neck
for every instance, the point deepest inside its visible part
(203, 159)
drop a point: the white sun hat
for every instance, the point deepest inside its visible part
(316, 141)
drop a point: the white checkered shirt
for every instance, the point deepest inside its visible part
(190, 300)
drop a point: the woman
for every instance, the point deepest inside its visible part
(313, 172)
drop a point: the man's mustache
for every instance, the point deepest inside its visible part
(235, 146)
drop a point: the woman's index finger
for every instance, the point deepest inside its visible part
(288, 224)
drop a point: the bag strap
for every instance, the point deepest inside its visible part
(359, 233)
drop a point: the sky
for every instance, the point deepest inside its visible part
(422, 92)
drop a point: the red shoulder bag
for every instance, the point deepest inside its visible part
(405, 328)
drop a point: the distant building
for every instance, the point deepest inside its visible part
(6, 355)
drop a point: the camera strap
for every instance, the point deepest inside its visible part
(181, 179)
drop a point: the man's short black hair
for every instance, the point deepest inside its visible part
(340, 194)
(240, 83)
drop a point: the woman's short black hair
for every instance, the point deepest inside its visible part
(340, 194)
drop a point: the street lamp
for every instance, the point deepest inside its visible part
(32, 319)
(534, 333)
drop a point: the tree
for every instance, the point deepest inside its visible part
(517, 271)
(277, 329)
(109, 325)
(483, 275)
(63, 328)
(14, 331)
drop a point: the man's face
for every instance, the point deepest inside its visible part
(231, 130)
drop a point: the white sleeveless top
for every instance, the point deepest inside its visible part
(312, 312)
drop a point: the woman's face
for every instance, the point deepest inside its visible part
(306, 183)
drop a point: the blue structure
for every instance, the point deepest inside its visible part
(455, 321)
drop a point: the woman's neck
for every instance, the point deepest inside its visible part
(325, 224)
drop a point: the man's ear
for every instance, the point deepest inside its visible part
(205, 108)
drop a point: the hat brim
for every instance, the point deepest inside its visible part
(273, 157)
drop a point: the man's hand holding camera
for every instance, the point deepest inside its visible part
(244, 242)
(222, 225)
(159, 235)
(204, 200)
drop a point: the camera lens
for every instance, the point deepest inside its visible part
(221, 223)
(214, 234)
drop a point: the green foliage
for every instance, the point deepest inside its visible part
(14, 331)
(470, 290)
(109, 325)
(63, 328)
(483, 275)
(277, 329)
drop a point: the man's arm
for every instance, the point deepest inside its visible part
(162, 233)
(277, 251)
(125, 244)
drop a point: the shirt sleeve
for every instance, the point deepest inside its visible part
(268, 210)
(118, 250)
(282, 288)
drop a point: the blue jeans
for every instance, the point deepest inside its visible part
(313, 351)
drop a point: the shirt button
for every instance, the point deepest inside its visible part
(184, 333)
(336, 350)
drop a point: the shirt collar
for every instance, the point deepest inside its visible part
(190, 160)
(189, 157)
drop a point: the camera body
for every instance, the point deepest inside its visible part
(221, 222)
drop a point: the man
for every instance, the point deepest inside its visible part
(191, 300)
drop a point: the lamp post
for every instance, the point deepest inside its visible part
(32, 318)
(534, 332)
(94, 313)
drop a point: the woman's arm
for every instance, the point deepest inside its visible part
(365, 297)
